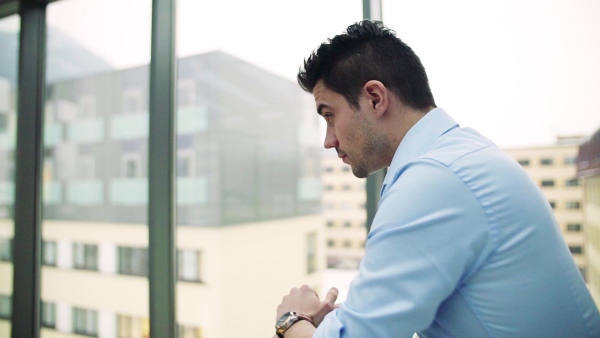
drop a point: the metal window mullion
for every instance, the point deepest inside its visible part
(28, 204)
(372, 10)
(161, 165)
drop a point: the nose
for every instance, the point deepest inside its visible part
(331, 140)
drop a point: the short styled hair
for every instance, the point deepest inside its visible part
(366, 51)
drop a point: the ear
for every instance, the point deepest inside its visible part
(377, 95)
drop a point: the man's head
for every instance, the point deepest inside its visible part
(367, 85)
(368, 51)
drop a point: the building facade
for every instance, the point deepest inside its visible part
(248, 191)
(344, 211)
(588, 170)
(554, 169)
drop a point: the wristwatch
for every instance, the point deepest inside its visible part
(287, 320)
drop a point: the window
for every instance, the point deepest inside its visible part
(347, 244)
(547, 183)
(132, 101)
(6, 249)
(188, 332)
(124, 326)
(523, 162)
(329, 187)
(87, 105)
(330, 224)
(85, 256)
(576, 249)
(5, 307)
(347, 224)
(330, 243)
(546, 161)
(346, 169)
(575, 227)
(49, 253)
(85, 322)
(346, 187)
(48, 315)
(570, 160)
(552, 205)
(572, 183)
(573, 205)
(184, 166)
(583, 273)
(3, 122)
(186, 93)
(133, 261)
(189, 265)
(329, 169)
(311, 252)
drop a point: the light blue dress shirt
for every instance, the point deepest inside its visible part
(464, 244)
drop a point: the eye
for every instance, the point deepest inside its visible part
(328, 117)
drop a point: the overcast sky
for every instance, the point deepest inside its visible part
(520, 71)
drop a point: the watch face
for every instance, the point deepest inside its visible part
(286, 321)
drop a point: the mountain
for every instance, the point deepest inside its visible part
(67, 58)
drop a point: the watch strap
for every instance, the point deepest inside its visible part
(296, 318)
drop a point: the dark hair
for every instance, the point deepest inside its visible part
(368, 51)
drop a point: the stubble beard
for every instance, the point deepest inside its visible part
(373, 147)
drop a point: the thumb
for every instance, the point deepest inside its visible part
(331, 296)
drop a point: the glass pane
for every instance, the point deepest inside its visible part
(95, 237)
(494, 65)
(9, 40)
(249, 156)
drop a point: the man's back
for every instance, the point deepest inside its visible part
(463, 245)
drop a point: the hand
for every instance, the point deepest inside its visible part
(305, 300)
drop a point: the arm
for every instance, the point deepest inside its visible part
(427, 236)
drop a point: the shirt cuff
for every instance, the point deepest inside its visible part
(330, 327)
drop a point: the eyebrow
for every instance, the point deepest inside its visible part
(320, 108)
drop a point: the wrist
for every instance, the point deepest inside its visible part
(300, 329)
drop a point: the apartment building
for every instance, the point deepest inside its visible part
(588, 170)
(248, 201)
(344, 212)
(554, 169)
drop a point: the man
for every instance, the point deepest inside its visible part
(463, 244)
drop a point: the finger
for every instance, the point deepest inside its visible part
(331, 296)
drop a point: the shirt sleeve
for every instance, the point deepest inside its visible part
(427, 237)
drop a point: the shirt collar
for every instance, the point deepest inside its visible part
(418, 139)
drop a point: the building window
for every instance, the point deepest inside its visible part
(572, 183)
(329, 169)
(330, 224)
(6, 249)
(3, 122)
(184, 166)
(124, 326)
(546, 161)
(49, 253)
(85, 322)
(583, 273)
(329, 187)
(133, 261)
(330, 243)
(346, 187)
(5, 307)
(576, 227)
(523, 162)
(547, 183)
(85, 256)
(573, 205)
(346, 169)
(87, 106)
(571, 160)
(347, 224)
(552, 205)
(576, 250)
(48, 315)
(311, 252)
(347, 244)
(186, 93)
(188, 332)
(189, 265)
